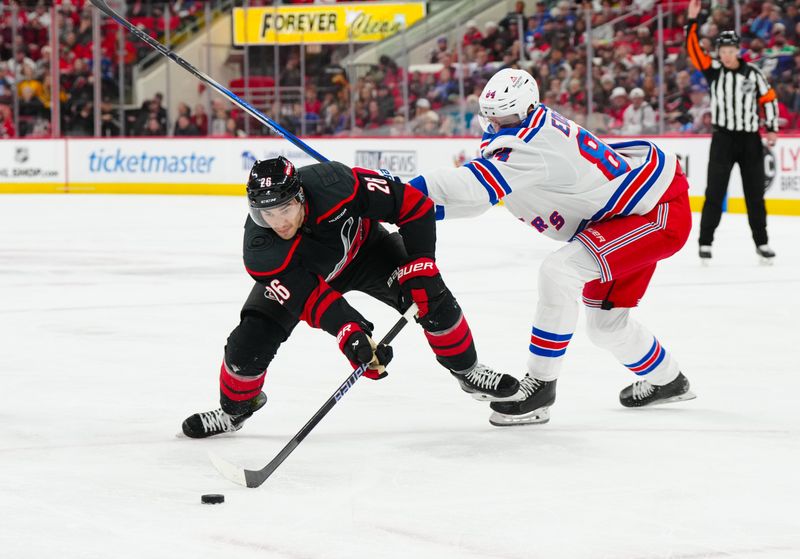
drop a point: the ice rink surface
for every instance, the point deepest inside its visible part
(113, 314)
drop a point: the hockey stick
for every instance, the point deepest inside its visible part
(232, 97)
(254, 478)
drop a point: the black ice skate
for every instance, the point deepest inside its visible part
(705, 254)
(539, 395)
(643, 393)
(483, 383)
(765, 254)
(216, 422)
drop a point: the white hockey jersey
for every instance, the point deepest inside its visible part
(553, 175)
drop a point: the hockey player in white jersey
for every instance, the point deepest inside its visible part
(620, 208)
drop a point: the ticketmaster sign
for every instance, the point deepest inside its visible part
(341, 23)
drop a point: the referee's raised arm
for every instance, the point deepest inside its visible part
(701, 60)
(738, 91)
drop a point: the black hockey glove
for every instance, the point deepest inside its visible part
(421, 282)
(360, 349)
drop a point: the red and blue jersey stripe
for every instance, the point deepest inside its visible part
(490, 178)
(536, 119)
(548, 344)
(652, 359)
(526, 131)
(635, 185)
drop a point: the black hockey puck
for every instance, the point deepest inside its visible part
(212, 499)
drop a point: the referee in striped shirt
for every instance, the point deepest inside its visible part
(738, 90)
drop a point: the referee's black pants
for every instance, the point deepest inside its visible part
(746, 149)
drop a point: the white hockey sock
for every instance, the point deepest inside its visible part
(632, 344)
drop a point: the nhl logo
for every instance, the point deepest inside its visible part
(22, 154)
(770, 168)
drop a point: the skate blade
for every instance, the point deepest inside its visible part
(689, 395)
(542, 415)
(481, 397)
(705, 262)
(766, 261)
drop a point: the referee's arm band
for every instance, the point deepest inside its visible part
(767, 97)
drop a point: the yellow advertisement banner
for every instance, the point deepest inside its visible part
(340, 23)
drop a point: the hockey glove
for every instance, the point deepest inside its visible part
(421, 282)
(360, 349)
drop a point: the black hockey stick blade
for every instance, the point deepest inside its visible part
(103, 6)
(254, 478)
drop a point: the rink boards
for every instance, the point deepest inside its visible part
(218, 166)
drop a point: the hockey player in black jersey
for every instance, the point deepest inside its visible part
(314, 233)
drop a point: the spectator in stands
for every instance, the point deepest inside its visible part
(313, 104)
(392, 75)
(153, 127)
(422, 117)
(83, 35)
(219, 118)
(29, 80)
(200, 119)
(781, 53)
(374, 118)
(755, 53)
(639, 118)
(397, 126)
(157, 106)
(20, 61)
(619, 102)
(6, 122)
(6, 86)
(80, 120)
(700, 103)
(334, 120)
(515, 17)
(429, 124)
(438, 50)
(233, 129)
(183, 110)
(491, 34)
(290, 77)
(185, 127)
(472, 35)
(447, 85)
(109, 119)
(762, 25)
(703, 125)
(30, 110)
(602, 94)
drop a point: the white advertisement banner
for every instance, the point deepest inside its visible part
(220, 165)
(38, 165)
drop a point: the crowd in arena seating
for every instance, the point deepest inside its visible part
(624, 78)
(546, 37)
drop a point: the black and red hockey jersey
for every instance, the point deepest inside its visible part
(342, 209)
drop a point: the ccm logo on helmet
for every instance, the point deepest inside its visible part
(414, 269)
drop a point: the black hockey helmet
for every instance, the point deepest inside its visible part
(728, 39)
(272, 183)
